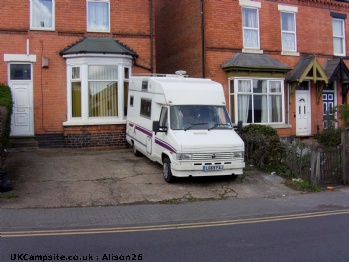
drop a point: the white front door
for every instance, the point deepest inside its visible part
(22, 122)
(303, 113)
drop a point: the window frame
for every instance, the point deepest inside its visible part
(88, 27)
(144, 102)
(294, 33)
(233, 98)
(339, 37)
(248, 4)
(31, 15)
(75, 80)
(289, 9)
(251, 28)
(84, 61)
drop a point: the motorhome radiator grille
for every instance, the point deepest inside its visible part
(212, 156)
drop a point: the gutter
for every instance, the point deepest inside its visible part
(151, 36)
(202, 39)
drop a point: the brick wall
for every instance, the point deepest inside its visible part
(223, 39)
(178, 44)
(106, 136)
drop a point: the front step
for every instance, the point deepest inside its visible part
(23, 143)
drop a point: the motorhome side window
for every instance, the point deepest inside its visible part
(163, 117)
(144, 85)
(145, 107)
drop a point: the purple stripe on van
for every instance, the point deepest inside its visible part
(164, 145)
(130, 124)
(145, 131)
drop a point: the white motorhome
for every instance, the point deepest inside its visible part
(183, 124)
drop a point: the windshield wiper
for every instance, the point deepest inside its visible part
(196, 124)
(215, 125)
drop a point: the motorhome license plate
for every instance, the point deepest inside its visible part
(212, 168)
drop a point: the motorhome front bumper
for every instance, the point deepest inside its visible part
(216, 168)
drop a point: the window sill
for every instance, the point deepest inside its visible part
(97, 31)
(42, 29)
(290, 53)
(252, 51)
(339, 55)
(94, 122)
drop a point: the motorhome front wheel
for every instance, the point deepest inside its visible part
(167, 170)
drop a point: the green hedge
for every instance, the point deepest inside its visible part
(262, 145)
(254, 129)
(6, 100)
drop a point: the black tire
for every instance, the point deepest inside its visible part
(166, 169)
(135, 151)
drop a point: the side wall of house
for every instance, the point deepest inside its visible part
(129, 24)
(178, 37)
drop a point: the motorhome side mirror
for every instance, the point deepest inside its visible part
(158, 128)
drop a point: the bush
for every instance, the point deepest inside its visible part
(343, 112)
(330, 137)
(262, 145)
(6, 100)
(259, 130)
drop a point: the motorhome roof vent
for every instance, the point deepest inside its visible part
(181, 72)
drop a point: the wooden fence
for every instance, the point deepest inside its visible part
(330, 165)
(345, 156)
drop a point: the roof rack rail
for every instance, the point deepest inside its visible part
(179, 73)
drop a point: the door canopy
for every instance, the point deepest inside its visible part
(308, 68)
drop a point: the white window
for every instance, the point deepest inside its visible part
(338, 37)
(76, 91)
(102, 90)
(97, 90)
(288, 31)
(250, 24)
(98, 15)
(42, 14)
(257, 100)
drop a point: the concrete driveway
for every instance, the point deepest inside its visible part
(79, 177)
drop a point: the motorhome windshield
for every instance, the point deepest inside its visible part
(185, 117)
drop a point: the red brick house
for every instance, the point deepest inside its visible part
(68, 64)
(281, 63)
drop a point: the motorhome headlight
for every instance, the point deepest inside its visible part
(184, 156)
(239, 154)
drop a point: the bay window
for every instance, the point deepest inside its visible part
(97, 90)
(257, 100)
